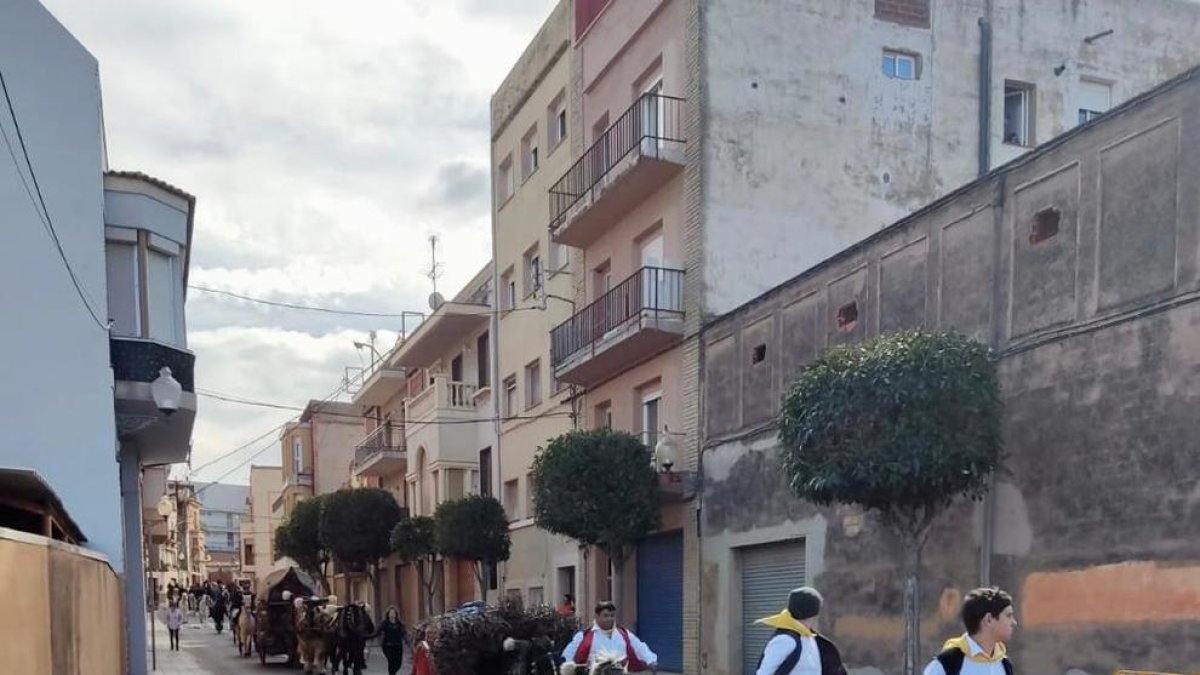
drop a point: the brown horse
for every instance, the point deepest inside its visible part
(314, 632)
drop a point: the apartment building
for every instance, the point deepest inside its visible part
(222, 507)
(316, 452)
(531, 132)
(427, 430)
(723, 149)
(257, 532)
(1071, 264)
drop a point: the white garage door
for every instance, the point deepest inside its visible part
(768, 574)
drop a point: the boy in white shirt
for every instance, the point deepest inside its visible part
(987, 614)
(797, 648)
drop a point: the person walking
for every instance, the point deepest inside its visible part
(989, 617)
(218, 609)
(796, 648)
(175, 619)
(394, 635)
(422, 662)
(605, 637)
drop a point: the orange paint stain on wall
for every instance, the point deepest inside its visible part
(1121, 593)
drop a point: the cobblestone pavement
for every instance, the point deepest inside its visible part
(203, 652)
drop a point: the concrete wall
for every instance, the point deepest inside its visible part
(266, 482)
(64, 608)
(808, 147)
(334, 437)
(1097, 330)
(55, 91)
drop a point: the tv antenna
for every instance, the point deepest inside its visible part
(435, 271)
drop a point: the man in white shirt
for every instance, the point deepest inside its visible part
(606, 637)
(797, 648)
(988, 615)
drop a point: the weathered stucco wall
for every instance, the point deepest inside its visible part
(64, 608)
(808, 147)
(1097, 328)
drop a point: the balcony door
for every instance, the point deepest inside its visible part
(456, 376)
(653, 119)
(655, 280)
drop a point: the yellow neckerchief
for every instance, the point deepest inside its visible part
(961, 644)
(785, 621)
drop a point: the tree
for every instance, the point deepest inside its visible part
(414, 544)
(356, 528)
(299, 538)
(474, 528)
(902, 425)
(598, 487)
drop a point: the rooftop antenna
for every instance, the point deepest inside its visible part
(435, 270)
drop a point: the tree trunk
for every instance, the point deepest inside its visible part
(376, 594)
(912, 605)
(477, 566)
(426, 586)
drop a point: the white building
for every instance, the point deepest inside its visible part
(94, 265)
(222, 508)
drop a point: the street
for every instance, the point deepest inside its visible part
(203, 652)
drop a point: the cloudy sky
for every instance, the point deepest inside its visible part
(324, 142)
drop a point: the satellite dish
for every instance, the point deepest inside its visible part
(436, 300)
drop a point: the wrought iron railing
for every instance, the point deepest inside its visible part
(387, 437)
(652, 292)
(651, 125)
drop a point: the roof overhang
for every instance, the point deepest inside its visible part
(450, 324)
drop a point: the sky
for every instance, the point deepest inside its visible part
(324, 143)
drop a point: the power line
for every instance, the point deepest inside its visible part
(346, 312)
(44, 214)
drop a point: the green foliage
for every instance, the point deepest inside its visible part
(356, 525)
(473, 528)
(598, 487)
(902, 424)
(472, 644)
(413, 539)
(299, 536)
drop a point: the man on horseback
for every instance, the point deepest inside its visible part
(606, 637)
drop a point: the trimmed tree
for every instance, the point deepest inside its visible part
(299, 538)
(356, 527)
(474, 528)
(902, 425)
(599, 488)
(413, 543)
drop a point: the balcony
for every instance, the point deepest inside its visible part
(443, 398)
(381, 453)
(136, 363)
(635, 156)
(637, 319)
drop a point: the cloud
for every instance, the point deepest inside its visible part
(324, 143)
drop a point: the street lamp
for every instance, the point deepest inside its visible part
(166, 391)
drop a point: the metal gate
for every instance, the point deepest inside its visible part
(768, 574)
(660, 598)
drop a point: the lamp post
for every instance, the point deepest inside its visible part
(666, 450)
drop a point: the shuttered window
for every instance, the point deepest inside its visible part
(769, 573)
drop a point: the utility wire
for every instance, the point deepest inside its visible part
(346, 312)
(44, 213)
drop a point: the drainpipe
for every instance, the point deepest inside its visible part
(985, 94)
(135, 573)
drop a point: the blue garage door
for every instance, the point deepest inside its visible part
(660, 598)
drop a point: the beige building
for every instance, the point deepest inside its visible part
(531, 128)
(717, 152)
(316, 452)
(427, 422)
(258, 526)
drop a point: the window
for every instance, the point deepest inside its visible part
(759, 355)
(1094, 99)
(164, 299)
(533, 384)
(298, 454)
(485, 472)
(228, 520)
(511, 496)
(229, 543)
(601, 280)
(124, 288)
(508, 296)
(529, 153)
(847, 316)
(1045, 225)
(556, 121)
(650, 417)
(505, 186)
(483, 361)
(532, 271)
(537, 596)
(559, 257)
(493, 576)
(603, 415)
(248, 557)
(1018, 114)
(529, 495)
(899, 65)
(510, 396)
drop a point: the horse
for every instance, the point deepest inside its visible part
(352, 628)
(530, 657)
(606, 663)
(313, 631)
(244, 633)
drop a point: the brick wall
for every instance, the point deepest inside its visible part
(905, 12)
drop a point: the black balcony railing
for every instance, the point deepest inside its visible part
(652, 124)
(385, 438)
(140, 360)
(652, 292)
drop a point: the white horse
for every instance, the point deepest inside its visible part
(245, 631)
(605, 663)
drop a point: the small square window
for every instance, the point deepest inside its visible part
(510, 396)
(1045, 225)
(847, 316)
(899, 65)
(529, 153)
(759, 355)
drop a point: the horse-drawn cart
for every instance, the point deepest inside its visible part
(275, 628)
